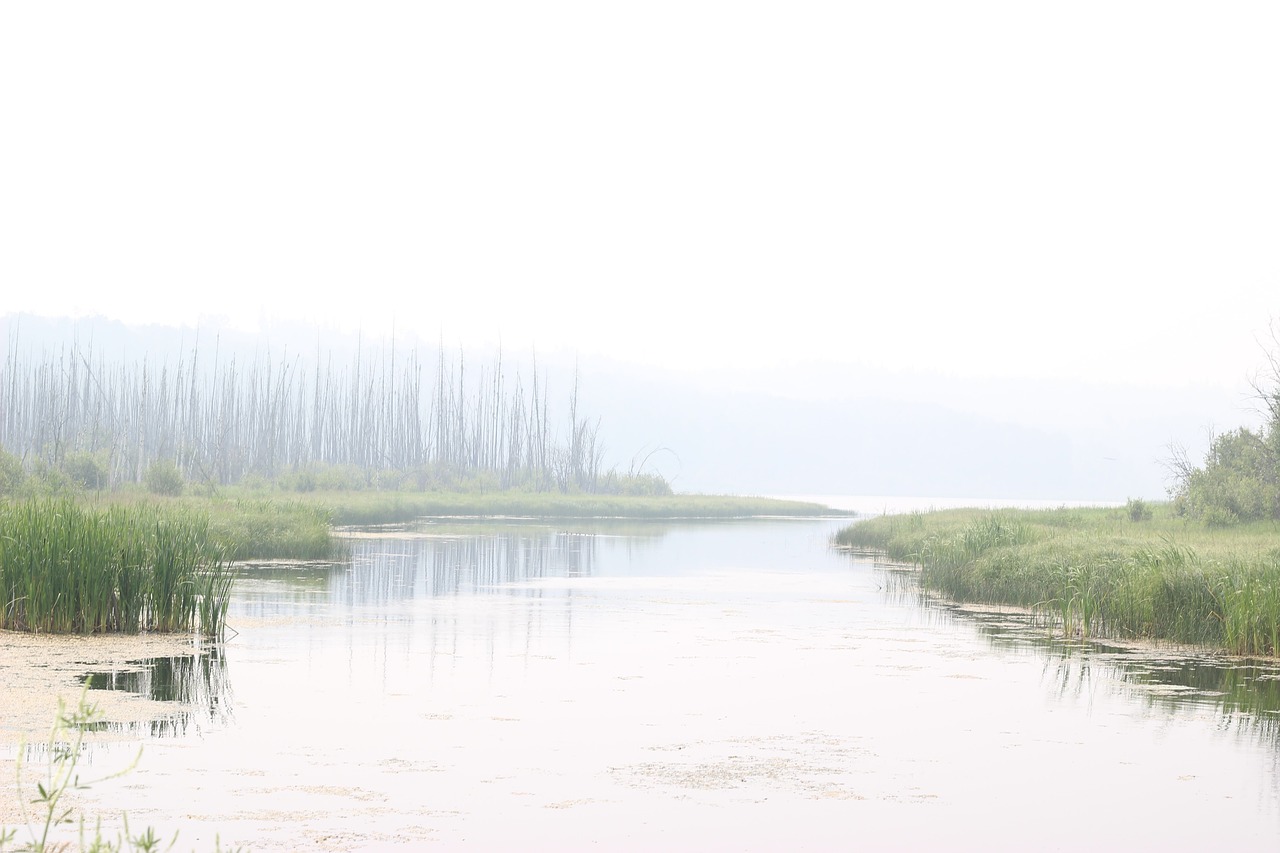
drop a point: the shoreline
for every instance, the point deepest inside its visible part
(39, 669)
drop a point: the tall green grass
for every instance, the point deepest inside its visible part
(1099, 572)
(264, 525)
(262, 528)
(69, 568)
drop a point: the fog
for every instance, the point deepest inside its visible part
(815, 429)
(919, 435)
(981, 248)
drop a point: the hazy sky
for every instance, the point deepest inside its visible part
(1087, 190)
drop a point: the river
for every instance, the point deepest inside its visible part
(733, 685)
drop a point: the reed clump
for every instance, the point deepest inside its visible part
(73, 568)
(1099, 571)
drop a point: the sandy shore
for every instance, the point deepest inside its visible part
(39, 669)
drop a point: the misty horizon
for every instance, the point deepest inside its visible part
(936, 436)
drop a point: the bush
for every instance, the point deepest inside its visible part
(1240, 481)
(46, 480)
(1240, 478)
(164, 478)
(324, 478)
(300, 480)
(632, 484)
(11, 474)
(89, 470)
(1138, 510)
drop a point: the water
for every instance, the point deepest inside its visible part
(699, 686)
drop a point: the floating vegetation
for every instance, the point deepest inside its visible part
(67, 568)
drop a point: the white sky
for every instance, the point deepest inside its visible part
(1087, 190)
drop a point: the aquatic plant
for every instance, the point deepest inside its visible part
(1093, 572)
(69, 568)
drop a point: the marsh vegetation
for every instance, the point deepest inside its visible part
(1123, 572)
(1203, 569)
(70, 568)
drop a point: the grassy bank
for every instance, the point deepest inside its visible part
(1098, 571)
(262, 529)
(385, 507)
(269, 524)
(130, 563)
(71, 568)
(246, 527)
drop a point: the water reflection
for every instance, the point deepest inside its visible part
(197, 684)
(442, 565)
(1243, 693)
(399, 566)
(418, 596)
(748, 674)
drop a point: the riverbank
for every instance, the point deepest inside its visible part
(277, 524)
(386, 507)
(1130, 573)
(129, 562)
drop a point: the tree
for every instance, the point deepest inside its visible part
(1240, 479)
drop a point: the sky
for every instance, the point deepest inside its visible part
(982, 192)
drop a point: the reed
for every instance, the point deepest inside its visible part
(71, 568)
(1099, 572)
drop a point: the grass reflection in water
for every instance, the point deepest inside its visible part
(197, 684)
(1243, 692)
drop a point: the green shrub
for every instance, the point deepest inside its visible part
(11, 474)
(164, 478)
(46, 480)
(89, 470)
(1239, 481)
(1138, 510)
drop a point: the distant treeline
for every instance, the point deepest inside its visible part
(375, 419)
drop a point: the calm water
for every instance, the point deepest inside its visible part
(732, 685)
